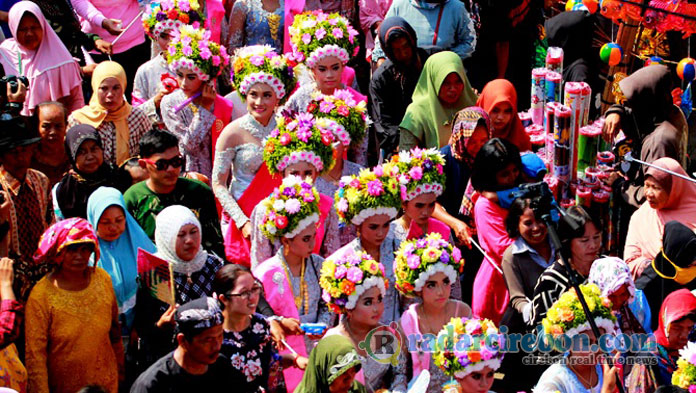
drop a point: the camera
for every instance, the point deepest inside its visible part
(542, 201)
(14, 82)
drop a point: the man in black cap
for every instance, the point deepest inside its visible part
(196, 364)
(29, 193)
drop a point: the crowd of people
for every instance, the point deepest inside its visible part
(249, 195)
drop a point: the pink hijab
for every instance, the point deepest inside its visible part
(51, 70)
(647, 224)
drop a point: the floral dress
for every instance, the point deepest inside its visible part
(254, 359)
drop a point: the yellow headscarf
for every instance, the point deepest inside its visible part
(94, 114)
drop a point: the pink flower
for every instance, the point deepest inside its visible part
(167, 4)
(333, 21)
(378, 171)
(306, 38)
(285, 139)
(342, 205)
(439, 169)
(338, 33)
(326, 106)
(196, 25)
(456, 254)
(355, 183)
(275, 133)
(256, 60)
(187, 51)
(308, 197)
(413, 261)
(340, 272)
(186, 40)
(320, 33)
(304, 133)
(404, 194)
(381, 268)
(417, 153)
(292, 205)
(343, 110)
(416, 173)
(184, 6)
(172, 50)
(206, 36)
(216, 60)
(355, 275)
(205, 53)
(374, 188)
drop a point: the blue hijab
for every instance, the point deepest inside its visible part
(119, 257)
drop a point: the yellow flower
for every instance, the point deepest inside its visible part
(335, 292)
(352, 195)
(431, 254)
(591, 303)
(553, 314)
(372, 267)
(194, 5)
(362, 106)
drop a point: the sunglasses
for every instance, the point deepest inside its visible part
(163, 163)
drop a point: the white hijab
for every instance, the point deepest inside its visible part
(167, 226)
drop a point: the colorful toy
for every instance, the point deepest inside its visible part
(686, 69)
(654, 60)
(590, 6)
(611, 53)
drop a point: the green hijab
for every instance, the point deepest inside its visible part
(425, 117)
(333, 356)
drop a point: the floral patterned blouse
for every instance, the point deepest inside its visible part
(255, 361)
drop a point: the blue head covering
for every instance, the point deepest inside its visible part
(120, 257)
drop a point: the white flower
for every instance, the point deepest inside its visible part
(258, 328)
(252, 369)
(405, 157)
(279, 205)
(292, 181)
(237, 360)
(293, 205)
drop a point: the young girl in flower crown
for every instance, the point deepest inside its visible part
(197, 61)
(324, 43)
(264, 79)
(291, 278)
(581, 372)
(354, 284)
(301, 145)
(369, 202)
(426, 268)
(152, 79)
(470, 366)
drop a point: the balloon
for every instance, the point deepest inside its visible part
(611, 53)
(590, 6)
(686, 69)
(653, 60)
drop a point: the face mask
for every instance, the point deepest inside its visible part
(683, 275)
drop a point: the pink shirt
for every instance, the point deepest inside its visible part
(93, 12)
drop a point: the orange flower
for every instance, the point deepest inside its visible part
(183, 17)
(238, 65)
(606, 303)
(567, 315)
(270, 148)
(407, 287)
(334, 308)
(474, 356)
(347, 287)
(556, 330)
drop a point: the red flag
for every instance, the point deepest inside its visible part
(156, 276)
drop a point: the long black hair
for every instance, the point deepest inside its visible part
(493, 157)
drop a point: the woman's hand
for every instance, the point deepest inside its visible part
(612, 125)
(609, 377)
(291, 326)
(160, 94)
(638, 266)
(113, 26)
(89, 69)
(6, 279)
(168, 317)
(301, 362)
(207, 97)
(463, 232)
(19, 95)
(103, 46)
(277, 333)
(246, 230)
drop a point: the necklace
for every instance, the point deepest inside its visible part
(302, 298)
(589, 384)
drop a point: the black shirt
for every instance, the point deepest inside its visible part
(167, 376)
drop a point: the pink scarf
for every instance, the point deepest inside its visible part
(216, 15)
(51, 70)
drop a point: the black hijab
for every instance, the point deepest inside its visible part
(76, 187)
(393, 28)
(648, 93)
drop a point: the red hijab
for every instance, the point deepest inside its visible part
(676, 305)
(501, 91)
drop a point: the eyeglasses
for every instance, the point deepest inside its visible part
(163, 163)
(255, 291)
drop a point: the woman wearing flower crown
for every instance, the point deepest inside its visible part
(301, 145)
(369, 202)
(581, 371)
(355, 285)
(426, 268)
(291, 278)
(324, 43)
(470, 366)
(194, 112)
(263, 79)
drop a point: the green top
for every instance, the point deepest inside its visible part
(426, 118)
(144, 205)
(333, 356)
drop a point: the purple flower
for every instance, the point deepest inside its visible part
(187, 51)
(374, 188)
(338, 33)
(340, 272)
(205, 53)
(378, 171)
(289, 191)
(413, 261)
(320, 33)
(463, 359)
(326, 106)
(421, 243)
(428, 165)
(444, 257)
(306, 38)
(256, 60)
(416, 173)
(354, 275)
(304, 133)
(160, 16)
(341, 302)
(306, 186)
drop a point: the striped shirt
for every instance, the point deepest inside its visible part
(551, 284)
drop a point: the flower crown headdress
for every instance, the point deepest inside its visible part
(482, 348)
(192, 48)
(369, 193)
(300, 138)
(261, 64)
(685, 374)
(419, 172)
(171, 15)
(342, 108)
(418, 259)
(566, 316)
(315, 35)
(345, 279)
(290, 208)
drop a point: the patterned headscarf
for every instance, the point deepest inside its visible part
(609, 274)
(465, 122)
(64, 233)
